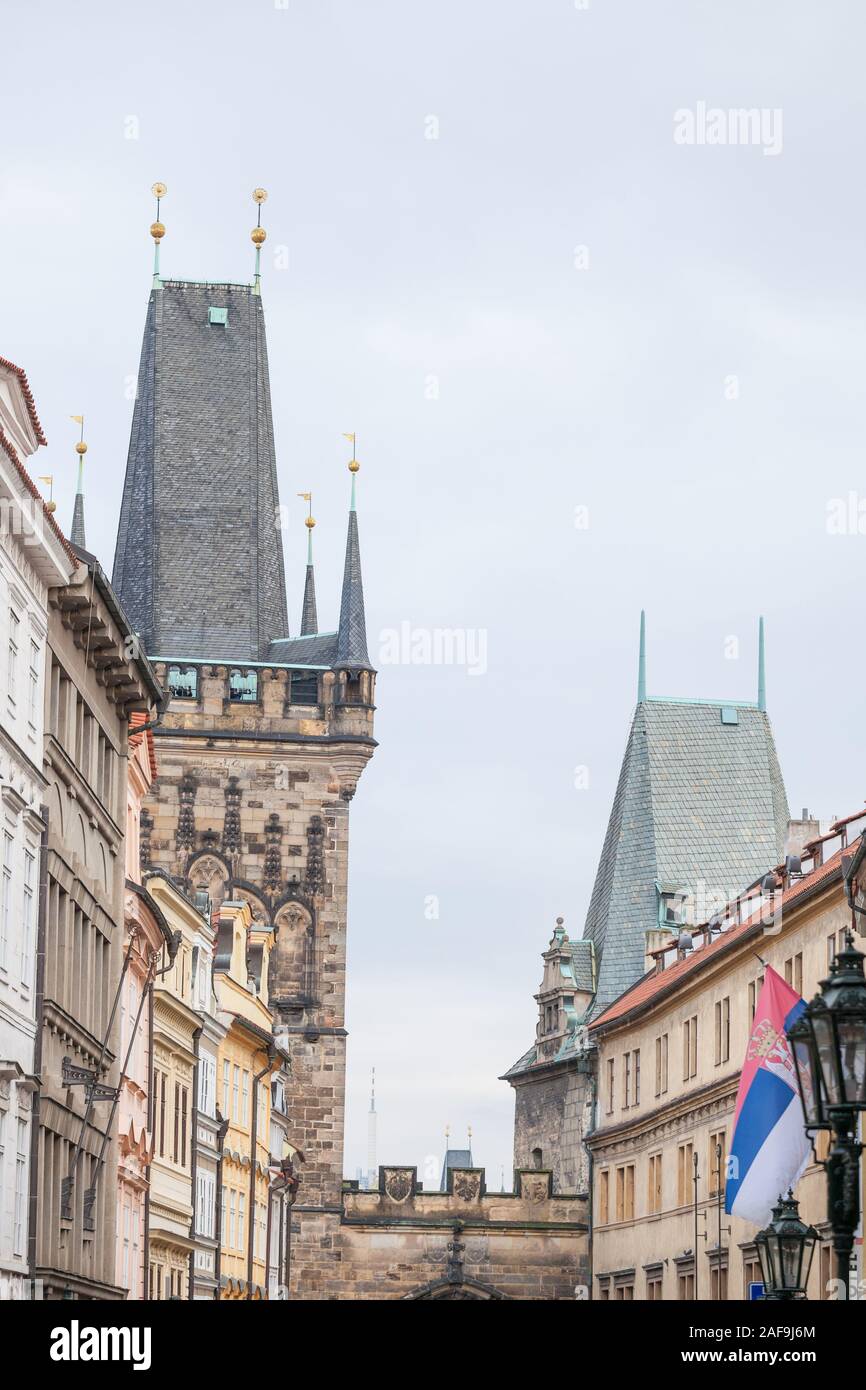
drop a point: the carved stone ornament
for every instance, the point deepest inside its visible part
(398, 1184)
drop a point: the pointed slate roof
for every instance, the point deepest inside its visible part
(700, 809)
(309, 618)
(352, 632)
(199, 558)
(76, 535)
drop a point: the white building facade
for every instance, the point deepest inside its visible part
(33, 557)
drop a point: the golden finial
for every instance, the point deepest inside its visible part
(258, 235)
(50, 505)
(157, 230)
(310, 520)
(354, 465)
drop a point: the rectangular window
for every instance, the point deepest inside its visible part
(751, 1273)
(236, 1088)
(604, 1197)
(625, 1193)
(718, 1282)
(654, 1185)
(160, 1086)
(27, 921)
(242, 1206)
(611, 1079)
(654, 1288)
(226, 1076)
(690, 1048)
(662, 1064)
(626, 1080)
(33, 687)
(184, 1102)
(723, 1030)
(825, 1270)
(686, 1285)
(20, 1228)
(636, 1056)
(685, 1174)
(717, 1161)
(231, 1231)
(175, 1149)
(12, 665)
(794, 972)
(5, 899)
(245, 1108)
(754, 992)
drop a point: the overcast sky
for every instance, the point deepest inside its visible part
(591, 368)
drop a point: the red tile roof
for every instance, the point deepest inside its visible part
(28, 397)
(658, 982)
(9, 448)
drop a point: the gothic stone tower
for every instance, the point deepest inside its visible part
(264, 736)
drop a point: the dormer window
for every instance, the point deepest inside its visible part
(672, 909)
(243, 687)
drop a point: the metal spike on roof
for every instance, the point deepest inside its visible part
(352, 632)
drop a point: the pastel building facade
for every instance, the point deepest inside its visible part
(669, 1054)
(33, 559)
(147, 936)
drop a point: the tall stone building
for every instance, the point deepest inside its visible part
(95, 679)
(699, 813)
(265, 736)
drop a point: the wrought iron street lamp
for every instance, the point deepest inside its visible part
(828, 1042)
(785, 1249)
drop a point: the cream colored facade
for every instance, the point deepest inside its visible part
(668, 1069)
(248, 1059)
(175, 1026)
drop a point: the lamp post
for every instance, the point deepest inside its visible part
(828, 1042)
(785, 1249)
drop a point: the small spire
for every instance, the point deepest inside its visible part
(641, 660)
(352, 632)
(309, 617)
(157, 231)
(470, 1144)
(258, 235)
(373, 1092)
(762, 682)
(76, 535)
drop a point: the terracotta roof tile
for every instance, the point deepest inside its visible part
(28, 397)
(9, 448)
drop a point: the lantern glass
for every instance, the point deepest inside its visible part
(852, 1058)
(828, 1057)
(767, 1275)
(790, 1258)
(808, 1074)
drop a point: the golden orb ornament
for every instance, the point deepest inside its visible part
(51, 506)
(81, 447)
(157, 231)
(354, 465)
(310, 521)
(260, 195)
(258, 235)
(158, 190)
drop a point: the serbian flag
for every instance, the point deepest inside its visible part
(769, 1147)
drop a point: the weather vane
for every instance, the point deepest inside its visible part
(309, 522)
(50, 505)
(157, 230)
(257, 235)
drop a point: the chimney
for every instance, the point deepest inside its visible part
(801, 831)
